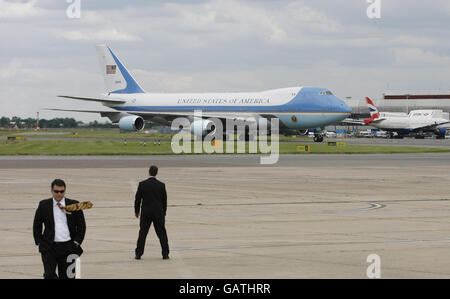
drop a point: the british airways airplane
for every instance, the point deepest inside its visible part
(415, 123)
(297, 108)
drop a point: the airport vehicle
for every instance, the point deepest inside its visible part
(367, 134)
(330, 134)
(416, 123)
(381, 134)
(297, 108)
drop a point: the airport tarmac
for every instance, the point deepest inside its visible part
(309, 216)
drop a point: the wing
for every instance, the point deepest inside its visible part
(429, 127)
(148, 115)
(109, 101)
(85, 111)
(115, 116)
(220, 115)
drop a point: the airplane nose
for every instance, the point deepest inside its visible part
(342, 107)
(346, 108)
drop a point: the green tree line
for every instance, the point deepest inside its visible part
(7, 122)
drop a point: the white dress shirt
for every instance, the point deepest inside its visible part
(62, 233)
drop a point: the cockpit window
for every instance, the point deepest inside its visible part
(326, 93)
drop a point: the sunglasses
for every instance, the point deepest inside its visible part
(59, 191)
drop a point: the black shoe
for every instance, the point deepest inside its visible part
(137, 257)
(166, 257)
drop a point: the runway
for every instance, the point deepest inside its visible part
(309, 216)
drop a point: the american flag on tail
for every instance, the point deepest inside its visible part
(111, 69)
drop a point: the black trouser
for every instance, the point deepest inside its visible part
(57, 256)
(159, 223)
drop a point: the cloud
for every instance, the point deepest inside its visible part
(220, 45)
(17, 69)
(13, 10)
(100, 35)
(416, 56)
(227, 20)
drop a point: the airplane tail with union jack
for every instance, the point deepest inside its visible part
(374, 114)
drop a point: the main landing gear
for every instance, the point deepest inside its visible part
(318, 137)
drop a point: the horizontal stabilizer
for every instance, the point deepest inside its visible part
(109, 101)
(351, 121)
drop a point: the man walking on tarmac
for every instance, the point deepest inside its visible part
(151, 205)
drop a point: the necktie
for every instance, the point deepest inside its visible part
(62, 208)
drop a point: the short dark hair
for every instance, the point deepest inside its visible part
(58, 182)
(153, 170)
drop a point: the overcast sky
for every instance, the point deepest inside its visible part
(219, 45)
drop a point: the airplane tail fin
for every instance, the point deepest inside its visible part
(117, 78)
(374, 114)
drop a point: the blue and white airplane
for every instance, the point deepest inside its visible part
(297, 108)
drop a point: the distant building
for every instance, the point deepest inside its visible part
(417, 96)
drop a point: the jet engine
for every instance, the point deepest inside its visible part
(131, 123)
(302, 132)
(440, 133)
(201, 126)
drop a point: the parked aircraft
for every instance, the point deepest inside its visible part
(416, 123)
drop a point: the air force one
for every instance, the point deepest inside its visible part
(416, 122)
(297, 108)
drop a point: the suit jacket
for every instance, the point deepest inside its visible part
(44, 215)
(151, 193)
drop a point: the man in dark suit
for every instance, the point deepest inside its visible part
(63, 233)
(151, 194)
